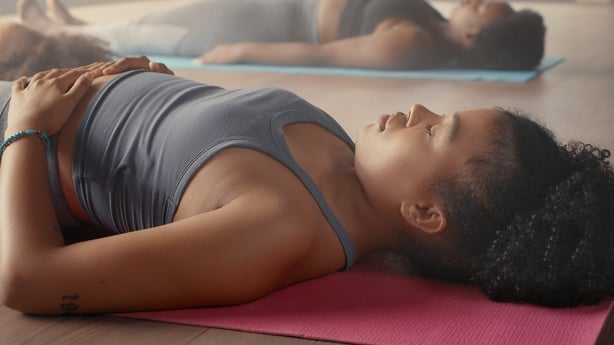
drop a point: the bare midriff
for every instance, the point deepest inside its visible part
(66, 148)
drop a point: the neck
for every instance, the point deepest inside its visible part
(370, 228)
(454, 38)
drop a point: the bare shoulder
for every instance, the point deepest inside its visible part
(403, 32)
(289, 239)
(286, 210)
(297, 229)
(410, 45)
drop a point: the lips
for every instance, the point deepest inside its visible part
(386, 119)
(383, 120)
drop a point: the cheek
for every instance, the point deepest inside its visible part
(388, 163)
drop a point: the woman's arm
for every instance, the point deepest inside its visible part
(216, 258)
(234, 254)
(402, 47)
(44, 104)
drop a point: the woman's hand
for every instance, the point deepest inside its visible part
(47, 100)
(130, 63)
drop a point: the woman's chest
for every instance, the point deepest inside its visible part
(316, 156)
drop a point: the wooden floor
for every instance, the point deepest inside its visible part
(576, 99)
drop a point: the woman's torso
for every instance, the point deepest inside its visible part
(197, 26)
(361, 17)
(193, 27)
(228, 173)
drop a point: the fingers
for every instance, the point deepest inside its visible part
(160, 68)
(105, 68)
(63, 78)
(81, 86)
(20, 84)
(45, 75)
(67, 80)
(132, 63)
(38, 76)
(94, 67)
(54, 73)
(127, 63)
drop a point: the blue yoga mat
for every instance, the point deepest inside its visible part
(175, 62)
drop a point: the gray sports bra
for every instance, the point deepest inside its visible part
(145, 135)
(361, 17)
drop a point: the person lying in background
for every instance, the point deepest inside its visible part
(374, 34)
(202, 196)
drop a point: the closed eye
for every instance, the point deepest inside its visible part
(428, 129)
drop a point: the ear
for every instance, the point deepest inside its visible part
(428, 218)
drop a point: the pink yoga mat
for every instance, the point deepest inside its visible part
(369, 306)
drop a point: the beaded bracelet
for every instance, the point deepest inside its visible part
(26, 133)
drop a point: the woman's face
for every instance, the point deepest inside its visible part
(470, 16)
(401, 156)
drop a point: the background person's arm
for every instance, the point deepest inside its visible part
(404, 47)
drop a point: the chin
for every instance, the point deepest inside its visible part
(364, 132)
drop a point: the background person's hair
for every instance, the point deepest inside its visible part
(530, 220)
(44, 52)
(512, 43)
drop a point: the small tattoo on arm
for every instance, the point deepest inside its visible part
(69, 304)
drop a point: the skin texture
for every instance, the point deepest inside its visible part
(412, 153)
(245, 233)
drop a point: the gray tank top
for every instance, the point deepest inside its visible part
(145, 135)
(361, 17)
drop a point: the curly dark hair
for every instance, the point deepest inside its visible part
(44, 52)
(512, 43)
(529, 221)
(570, 233)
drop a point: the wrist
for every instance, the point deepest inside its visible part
(23, 134)
(17, 127)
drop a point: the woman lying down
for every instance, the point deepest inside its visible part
(238, 193)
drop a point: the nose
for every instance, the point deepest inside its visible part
(419, 113)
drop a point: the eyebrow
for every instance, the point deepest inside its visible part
(454, 130)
